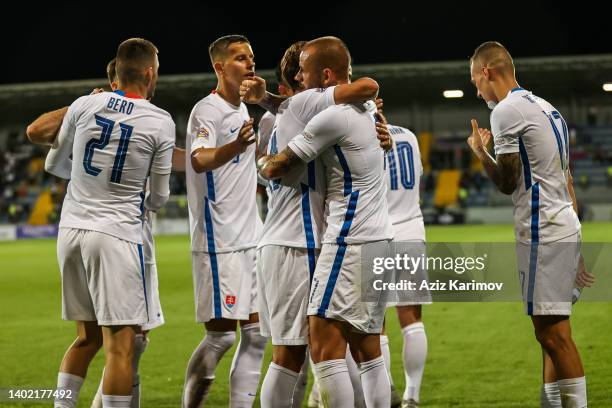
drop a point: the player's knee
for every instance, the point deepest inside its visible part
(291, 357)
(554, 341)
(221, 341)
(88, 340)
(326, 349)
(409, 314)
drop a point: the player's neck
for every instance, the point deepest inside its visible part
(133, 89)
(504, 87)
(228, 93)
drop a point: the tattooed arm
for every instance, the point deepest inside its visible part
(276, 166)
(505, 171)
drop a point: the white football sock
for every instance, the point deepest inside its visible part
(573, 392)
(355, 376)
(300, 386)
(140, 345)
(549, 396)
(69, 385)
(335, 386)
(278, 386)
(116, 401)
(386, 353)
(375, 382)
(97, 401)
(202, 364)
(246, 366)
(314, 397)
(415, 354)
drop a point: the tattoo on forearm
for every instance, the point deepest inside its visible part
(283, 162)
(504, 172)
(271, 102)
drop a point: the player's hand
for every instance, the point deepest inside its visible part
(379, 104)
(379, 113)
(253, 90)
(479, 139)
(97, 91)
(584, 279)
(383, 136)
(246, 136)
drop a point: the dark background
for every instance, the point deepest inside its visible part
(75, 41)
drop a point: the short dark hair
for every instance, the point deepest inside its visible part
(111, 70)
(290, 65)
(218, 48)
(133, 57)
(331, 52)
(493, 55)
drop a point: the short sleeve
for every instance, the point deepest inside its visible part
(507, 125)
(309, 103)
(162, 159)
(202, 129)
(323, 131)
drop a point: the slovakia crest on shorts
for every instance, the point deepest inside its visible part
(230, 301)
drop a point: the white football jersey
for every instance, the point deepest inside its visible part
(148, 244)
(223, 214)
(264, 130)
(526, 124)
(115, 140)
(345, 138)
(296, 202)
(404, 171)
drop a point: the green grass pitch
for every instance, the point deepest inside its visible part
(480, 355)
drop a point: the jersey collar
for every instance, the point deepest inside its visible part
(518, 88)
(127, 94)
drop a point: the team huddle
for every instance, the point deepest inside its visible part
(341, 182)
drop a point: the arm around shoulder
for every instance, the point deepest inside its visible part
(359, 91)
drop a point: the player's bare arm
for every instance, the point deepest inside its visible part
(205, 159)
(505, 171)
(583, 277)
(383, 136)
(382, 131)
(44, 129)
(178, 159)
(276, 166)
(361, 90)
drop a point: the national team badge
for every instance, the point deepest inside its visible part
(230, 301)
(202, 132)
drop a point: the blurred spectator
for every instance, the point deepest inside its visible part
(583, 181)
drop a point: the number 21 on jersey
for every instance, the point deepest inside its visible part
(107, 126)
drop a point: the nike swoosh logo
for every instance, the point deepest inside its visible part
(251, 395)
(233, 130)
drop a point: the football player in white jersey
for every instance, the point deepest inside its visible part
(532, 164)
(287, 87)
(295, 222)
(44, 131)
(345, 138)
(156, 317)
(225, 227)
(266, 123)
(100, 240)
(404, 171)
